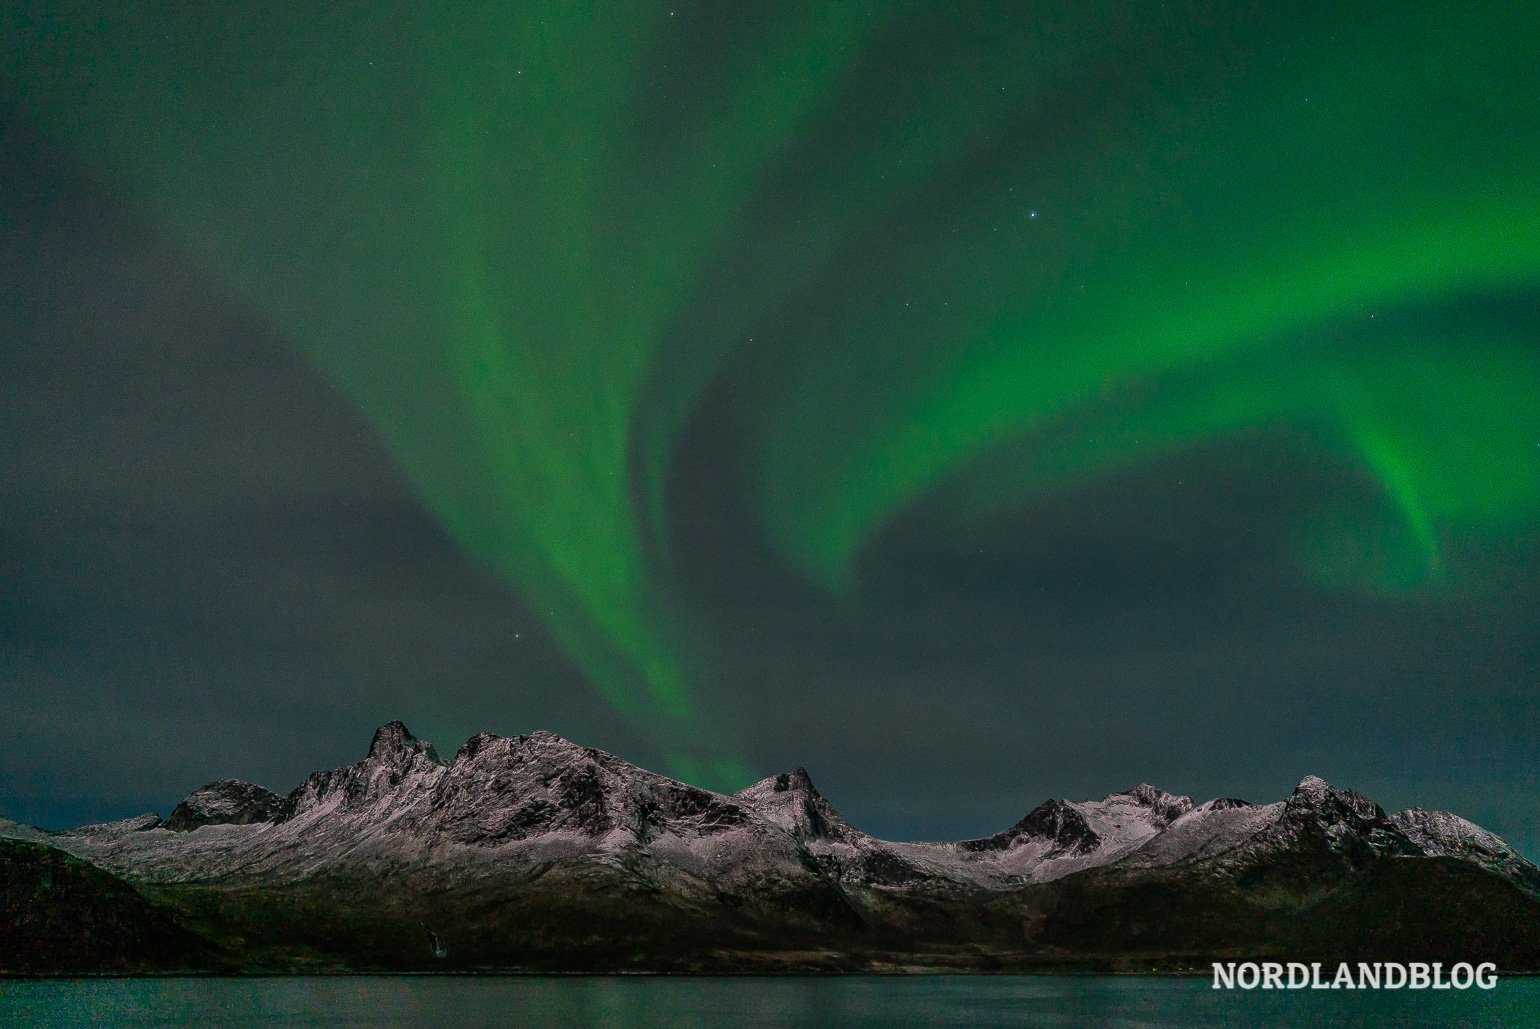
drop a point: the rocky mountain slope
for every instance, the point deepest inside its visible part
(534, 853)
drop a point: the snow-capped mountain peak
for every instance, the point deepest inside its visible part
(1315, 794)
(509, 803)
(791, 801)
(393, 742)
(1164, 807)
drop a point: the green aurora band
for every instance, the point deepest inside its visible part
(966, 255)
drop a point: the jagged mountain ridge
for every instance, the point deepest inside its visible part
(506, 802)
(531, 853)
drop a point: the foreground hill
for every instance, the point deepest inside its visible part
(532, 853)
(62, 915)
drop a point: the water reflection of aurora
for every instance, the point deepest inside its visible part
(948, 261)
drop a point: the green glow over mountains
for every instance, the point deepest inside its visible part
(964, 257)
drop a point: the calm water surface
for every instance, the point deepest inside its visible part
(445, 1003)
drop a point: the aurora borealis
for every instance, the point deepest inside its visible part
(912, 276)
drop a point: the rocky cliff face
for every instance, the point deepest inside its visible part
(399, 770)
(225, 802)
(1441, 834)
(1344, 822)
(537, 839)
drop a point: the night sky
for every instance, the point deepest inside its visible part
(972, 403)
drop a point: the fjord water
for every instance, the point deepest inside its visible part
(1123, 1002)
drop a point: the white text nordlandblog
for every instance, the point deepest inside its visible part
(1381, 975)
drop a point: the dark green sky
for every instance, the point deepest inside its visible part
(985, 400)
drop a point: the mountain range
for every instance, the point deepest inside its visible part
(534, 854)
